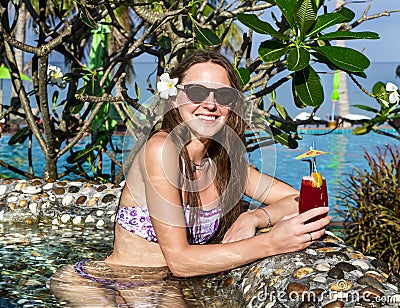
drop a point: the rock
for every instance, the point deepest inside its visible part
(295, 289)
(301, 272)
(370, 293)
(335, 304)
(3, 189)
(109, 198)
(364, 265)
(59, 190)
(370, 281)
(323, 267)
(380, 265)
(345, 266)
(336, 273)
(92, 201)
(81, 200)
(101, 188)
(65, 218)
(23, 203)
(73, 189)
(67, 200)
(31, 190)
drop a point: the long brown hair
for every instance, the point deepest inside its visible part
(228, 176)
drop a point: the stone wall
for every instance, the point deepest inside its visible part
(327, 274)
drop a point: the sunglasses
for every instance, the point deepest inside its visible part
(198, 93)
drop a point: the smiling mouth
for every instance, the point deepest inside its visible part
(207, 117)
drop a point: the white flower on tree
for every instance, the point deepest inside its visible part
(394, 96)
(167, 86)
(55, 76)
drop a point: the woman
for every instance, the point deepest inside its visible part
(157, 180)
(181, 207)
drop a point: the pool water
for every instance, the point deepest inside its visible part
(346, 153)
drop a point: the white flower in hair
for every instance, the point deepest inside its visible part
(167, 86)
(394, 96)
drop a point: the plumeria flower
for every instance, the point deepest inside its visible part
(167, 86)
(55, 76)
(394, 96)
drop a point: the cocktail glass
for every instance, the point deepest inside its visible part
(313, 190)
(312, 195)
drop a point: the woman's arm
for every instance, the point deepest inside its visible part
(163, 196)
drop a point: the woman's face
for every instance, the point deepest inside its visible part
(205, 118)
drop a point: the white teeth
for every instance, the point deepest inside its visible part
(207, 117)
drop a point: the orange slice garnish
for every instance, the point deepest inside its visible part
(317, 179)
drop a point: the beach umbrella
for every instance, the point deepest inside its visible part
(311, 153)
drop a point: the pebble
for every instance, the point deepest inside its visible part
(295, 289)
(370, 292)
(59, 190)
(33, 207)
(23, 203)
(99, 213)
(92, 201)
(335, 304)
(19, 186)
(31, 190)
(376, 275)
(346, 266)
(320, 279)
(335, 273)
(81, 200)
(301, 272)
(89, 219)
(364, 265)
(73, 189)
(65, 218)
(380, 265)
(12, 199)
(323, 267)
(3, 189)
(67, 200)
(77, 220)
(100, 223)
(48, 186)
(370, 281)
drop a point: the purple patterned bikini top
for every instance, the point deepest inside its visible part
(136, 219)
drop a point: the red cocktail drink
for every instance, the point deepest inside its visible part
(312, 194)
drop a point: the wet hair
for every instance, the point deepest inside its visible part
(230, 180)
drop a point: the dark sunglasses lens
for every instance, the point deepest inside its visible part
(197, 93)
(225, 96)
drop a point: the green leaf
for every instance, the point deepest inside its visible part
(308, 87)
(19, 137)
(346, 59)
(379, 91)
(305, 13)
(244, 75)
(137, 90)
(81, 155)
(348, 35)
(284, 139)
(361, 130)
(272, 51)
(54, 99)
(87, 18)
(330, 19)
(164, 42)
(367, 108)
(298, 58)
(205, 36)
(282, 111)
(287, 9)
(259, 26)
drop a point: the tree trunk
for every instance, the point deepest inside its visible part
(20, 37)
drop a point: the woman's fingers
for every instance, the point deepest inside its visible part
(313, 213)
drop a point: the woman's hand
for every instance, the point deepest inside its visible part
(292, 234)
(244, 227)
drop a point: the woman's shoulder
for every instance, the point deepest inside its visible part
(160, 147)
